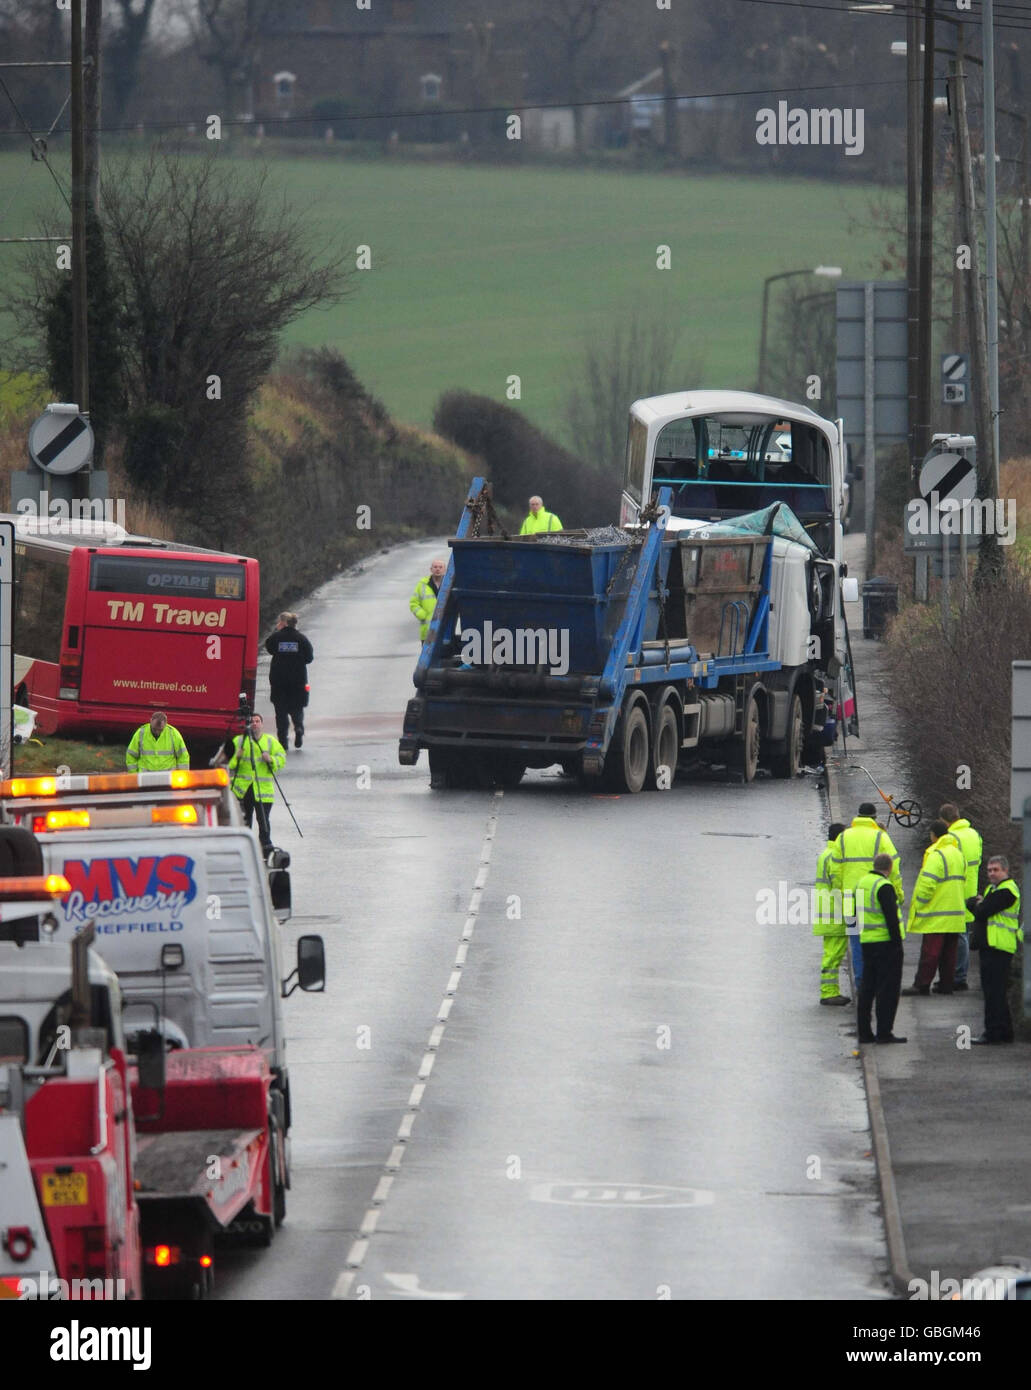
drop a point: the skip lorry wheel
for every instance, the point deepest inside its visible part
(746, 750)
(789, 763)
(665, 750)
(507, 771)
(627, 761)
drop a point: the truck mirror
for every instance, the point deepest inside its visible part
(311, 963)
(150, 1058)
(280, 891)
(850, 590)
(310, 974)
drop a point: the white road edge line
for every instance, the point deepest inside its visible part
(360, 1248)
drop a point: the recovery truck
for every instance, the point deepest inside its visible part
(679, 640)
(160, 867)
(68, 1206)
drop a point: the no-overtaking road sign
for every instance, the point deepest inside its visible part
(950, 476)
(61, 443)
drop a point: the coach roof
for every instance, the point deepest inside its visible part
(661, 410)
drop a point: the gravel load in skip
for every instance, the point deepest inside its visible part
(595, 535)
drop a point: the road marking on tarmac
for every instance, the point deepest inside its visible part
(638, 1194)
(409, 1283)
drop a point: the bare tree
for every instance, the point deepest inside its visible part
(124, 47)
(30, 33)
(637, 358)
(206, 268)
(803, 343)
(227, 33)
(575, 22)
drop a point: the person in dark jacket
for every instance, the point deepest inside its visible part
(877, 911)
(995, 933)
(288, 677)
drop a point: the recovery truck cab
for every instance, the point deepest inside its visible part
(69, 1221)
(186, 912)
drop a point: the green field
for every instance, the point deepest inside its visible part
(480, 273)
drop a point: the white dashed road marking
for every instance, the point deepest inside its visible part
(408, 1283)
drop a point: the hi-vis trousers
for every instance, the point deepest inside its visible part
(830, 966)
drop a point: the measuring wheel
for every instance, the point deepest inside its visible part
(907, 812)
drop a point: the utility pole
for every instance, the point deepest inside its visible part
(960, 417)
(1022, 299)
(912, 231)
(988, 555)
(80, 331)
(921, 565)
(991, 230)
(91, 103)
(925, 326)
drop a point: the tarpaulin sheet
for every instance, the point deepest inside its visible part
(775, 520)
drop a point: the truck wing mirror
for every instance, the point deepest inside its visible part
(150, 1058)
(850, 590)
(310, 974)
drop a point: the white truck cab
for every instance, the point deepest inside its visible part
(181, 900)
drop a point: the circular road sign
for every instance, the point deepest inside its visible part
(949, 475)
(61, 443)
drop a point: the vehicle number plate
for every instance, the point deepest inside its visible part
(65, 1190)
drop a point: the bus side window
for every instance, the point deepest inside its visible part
(42, 587)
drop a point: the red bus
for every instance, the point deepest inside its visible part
(106, 632)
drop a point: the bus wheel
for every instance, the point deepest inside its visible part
(665, 750)
(789, 763)
(628, 760)
(746, 749)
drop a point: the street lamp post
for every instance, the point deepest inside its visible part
(830, 272)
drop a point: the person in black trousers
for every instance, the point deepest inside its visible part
(291, 654)
(877, 909)
(995, 934)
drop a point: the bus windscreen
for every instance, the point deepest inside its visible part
(183, 579)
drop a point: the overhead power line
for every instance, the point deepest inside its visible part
(512, 107)
(1011, 12)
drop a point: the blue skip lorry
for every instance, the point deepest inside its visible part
(627, 654)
